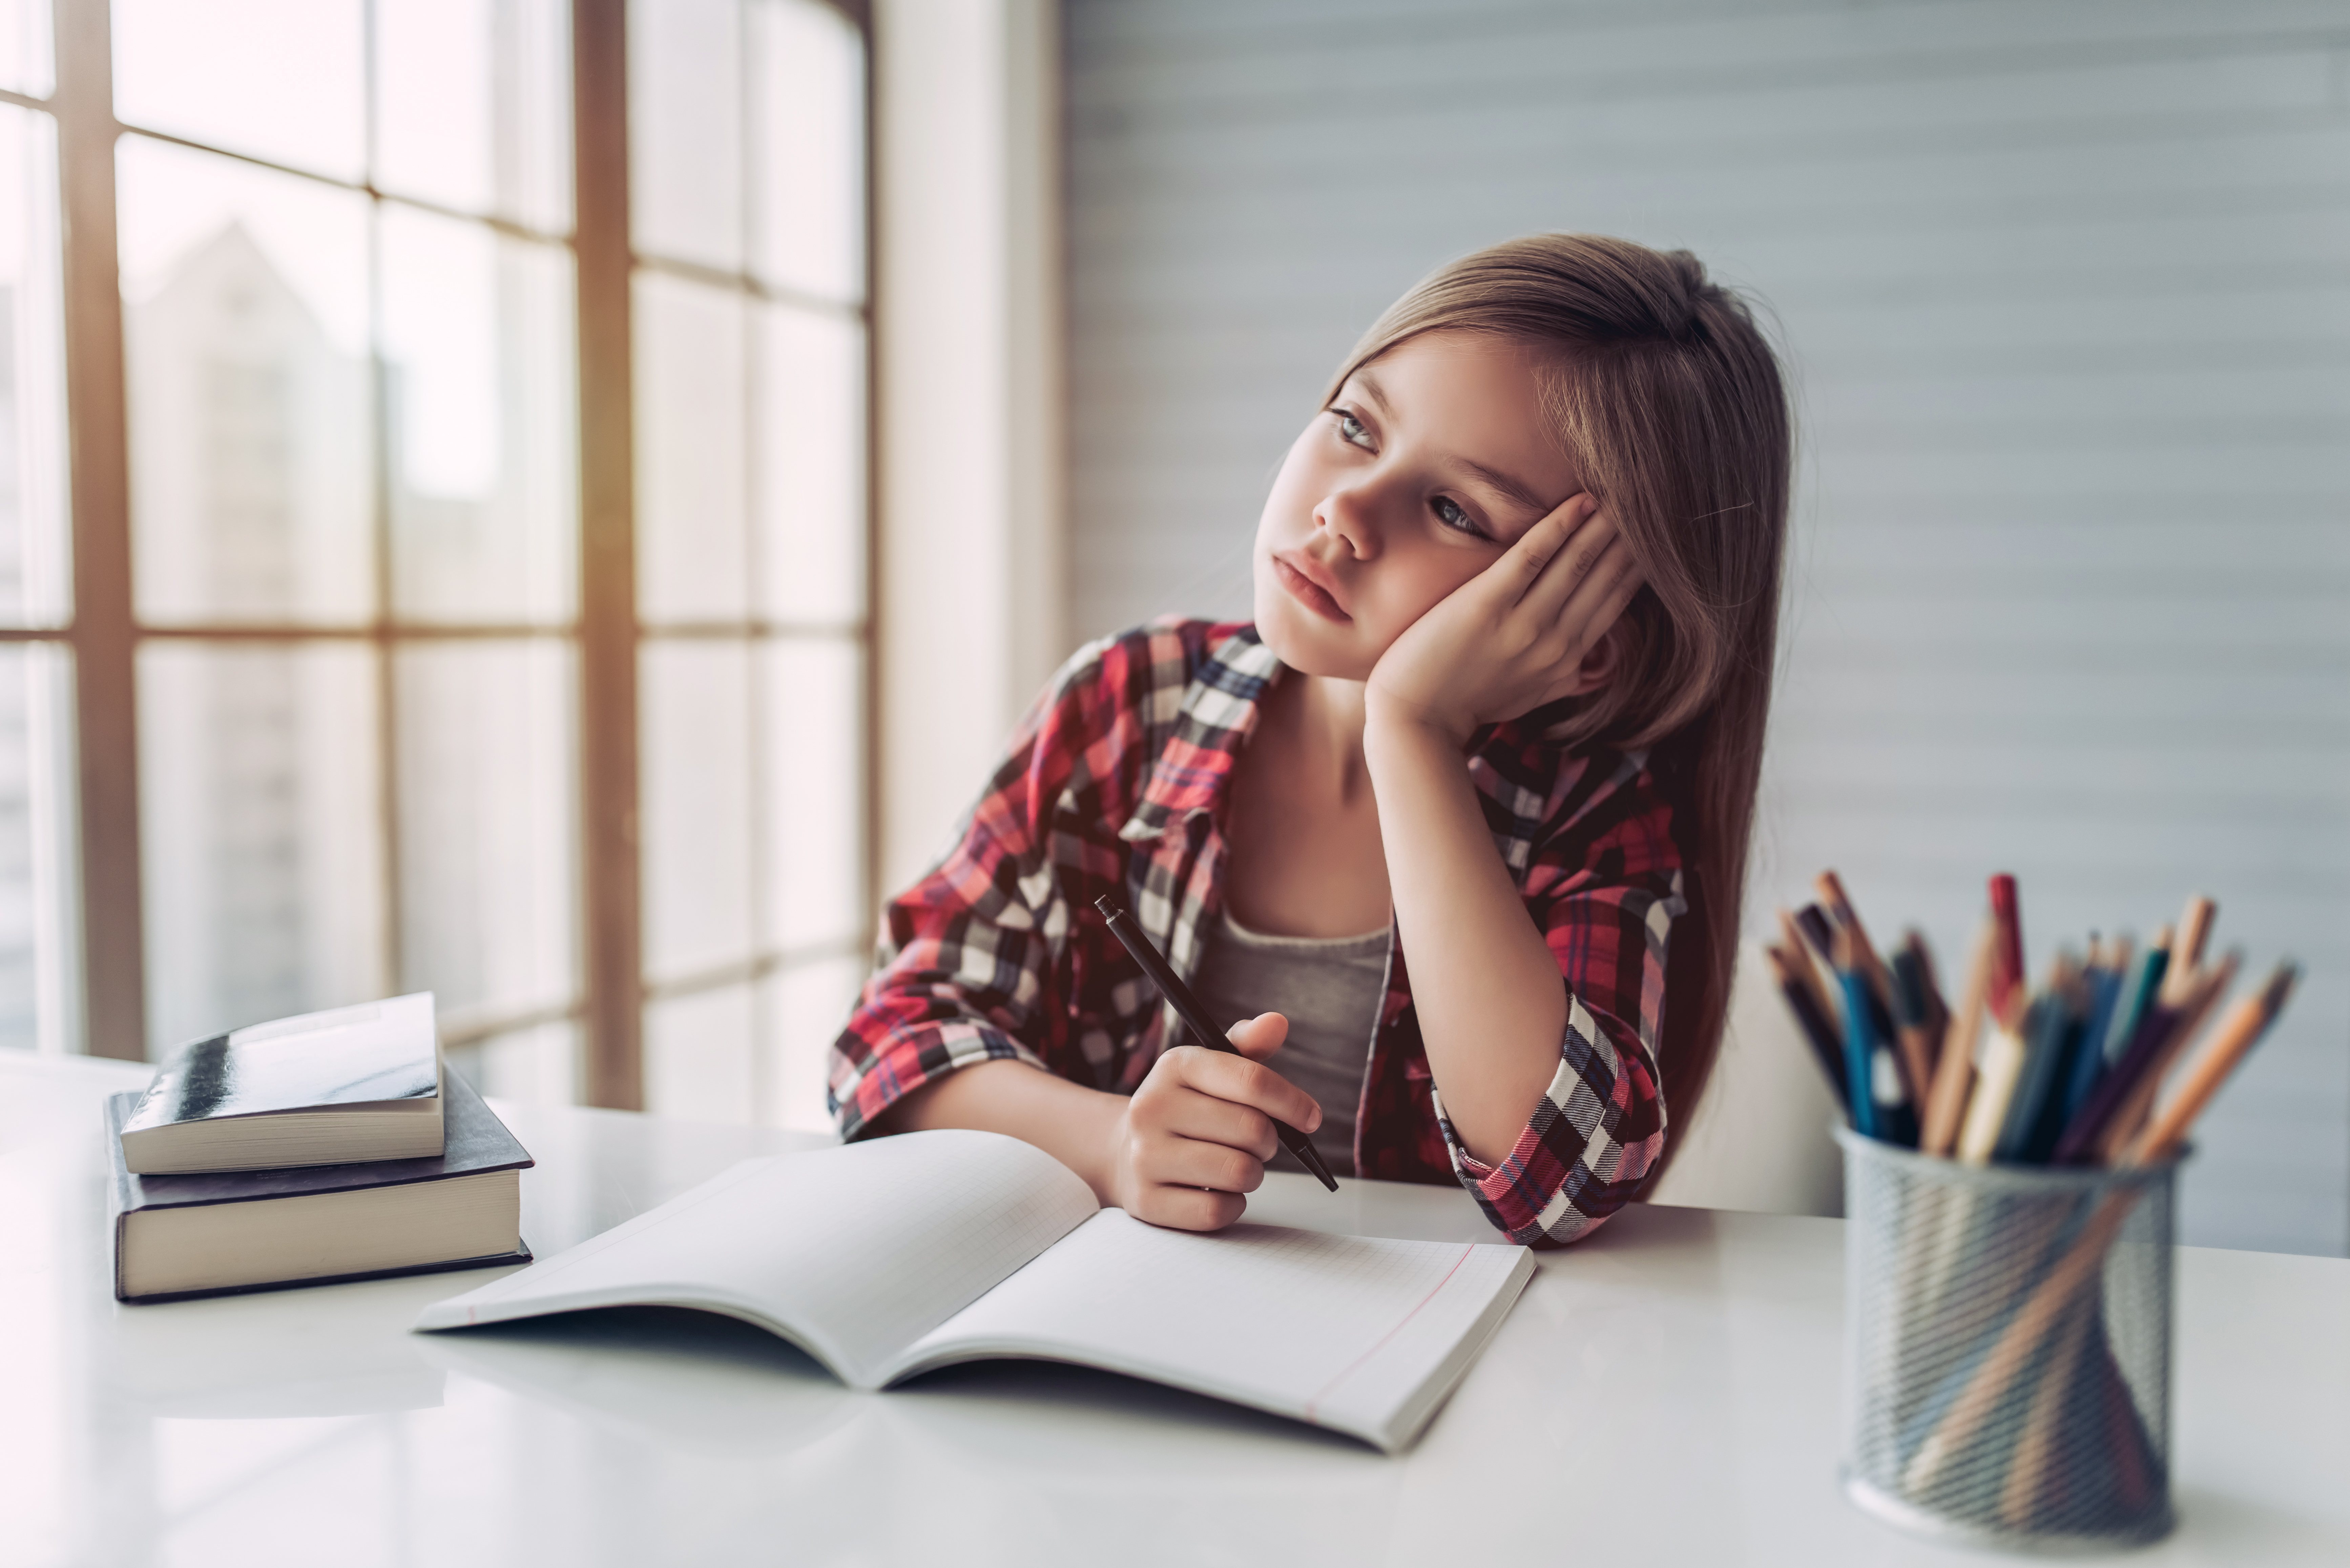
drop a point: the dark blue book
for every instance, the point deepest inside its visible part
(223, 1232)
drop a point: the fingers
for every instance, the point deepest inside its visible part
(1260, 1036)
(1184, 1112)
(1606, 590)
(1189, 1208)
(1197, 1133)
(1572, 565)
(1244, 1083)
(1188, 1162)
(1536, 549)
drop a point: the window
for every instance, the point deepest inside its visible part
(746, 166)
(320, 678)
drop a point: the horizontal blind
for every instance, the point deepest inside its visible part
(2065, 291)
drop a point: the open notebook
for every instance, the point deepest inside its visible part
(887, 1258)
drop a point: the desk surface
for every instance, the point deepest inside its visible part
(1664, 1393)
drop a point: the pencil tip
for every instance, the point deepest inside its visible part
(2281, 983)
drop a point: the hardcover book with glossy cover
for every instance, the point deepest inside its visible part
(325, 1088)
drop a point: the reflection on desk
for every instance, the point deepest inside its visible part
(1664, 1393)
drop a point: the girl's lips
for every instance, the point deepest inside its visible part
(1309, 592)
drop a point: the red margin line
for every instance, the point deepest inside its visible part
(1349, 1370)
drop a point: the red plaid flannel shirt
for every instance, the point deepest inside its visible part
(1117, 783)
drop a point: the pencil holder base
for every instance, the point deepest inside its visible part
(1890, 1510)
(2007, 1350)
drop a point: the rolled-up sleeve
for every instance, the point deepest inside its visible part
(1605, 893)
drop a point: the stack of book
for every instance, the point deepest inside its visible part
(334, 1146)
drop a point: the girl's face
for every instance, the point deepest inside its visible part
(1431, 461)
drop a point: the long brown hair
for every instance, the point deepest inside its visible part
(1669, 403)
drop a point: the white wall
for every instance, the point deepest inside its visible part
(971, 600)
(2066, 290)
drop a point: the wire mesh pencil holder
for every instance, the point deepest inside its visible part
(2007, 1349)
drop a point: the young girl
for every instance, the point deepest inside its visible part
(1500, 710)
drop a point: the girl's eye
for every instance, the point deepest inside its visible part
(1351, 430)
(1454, 515)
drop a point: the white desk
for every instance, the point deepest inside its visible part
(1665, 1393)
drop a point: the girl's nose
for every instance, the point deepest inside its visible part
(1349, 517)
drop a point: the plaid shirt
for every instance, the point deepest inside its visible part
(1117, 781)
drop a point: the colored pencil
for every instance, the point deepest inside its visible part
(1995, 1078)
(1912, 1008)
(1796, 946)
(2186, 1022)
(2088, 1058)
(2007, 983)
(1954, 1072)
(1839, 908)
(2186, 952)
(1868, 1054)
(2231, 1043)
(1818, 933)
(2032, 1466)
(2059, 1017)
(1818, 1028)
(2141, 988)
(2139, 1068)
(1860, 1049)
(1930, 985)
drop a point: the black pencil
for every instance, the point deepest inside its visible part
(1818, 1030)
(1187, 1007)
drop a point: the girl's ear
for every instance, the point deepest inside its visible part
(1604, 660)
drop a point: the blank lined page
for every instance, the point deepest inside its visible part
(856, 1251)
(1340, 1329)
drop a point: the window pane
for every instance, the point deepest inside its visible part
(474, 106)
(261, 833)
(40, 990)
(246, 326)
(486, 833)
(280, 80)
(805, 1006)
(685, 131)
(25, 46)
(540, 1065)
(808, 467)
(813, 735)
(699, 1056)
(34, 571)
(478, 336)
(691, 550)
(807, 148)
(694, 737)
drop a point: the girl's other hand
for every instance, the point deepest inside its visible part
(1196, 1135)
(1515, 635)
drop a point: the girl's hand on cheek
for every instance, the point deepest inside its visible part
(1196, 1135)
(1514, 637)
